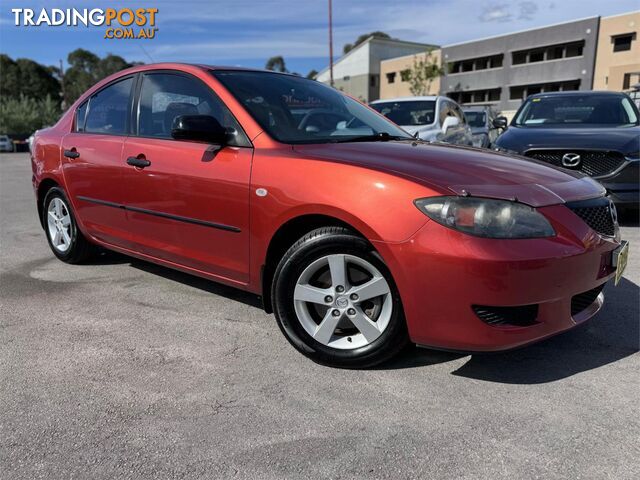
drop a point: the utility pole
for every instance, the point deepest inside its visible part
(330, 45)
(63, 103)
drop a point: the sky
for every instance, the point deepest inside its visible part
(247, 33)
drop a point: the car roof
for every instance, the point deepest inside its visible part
(577, 92)
(407, 99)
(477, 108)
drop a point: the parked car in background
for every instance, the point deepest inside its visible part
(431, 118)
(6, 145)
(596, 133)
(481, 120)
(357, 237)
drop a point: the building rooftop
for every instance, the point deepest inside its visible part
(373, 39)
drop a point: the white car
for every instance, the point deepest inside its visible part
(6, 145)
(430, 118)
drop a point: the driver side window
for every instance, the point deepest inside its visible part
(165, 96)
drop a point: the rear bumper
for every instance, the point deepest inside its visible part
(441, 274)
(623, 186)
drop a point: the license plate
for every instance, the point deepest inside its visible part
(620, 257)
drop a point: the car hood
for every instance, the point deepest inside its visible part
(463, 170)
(621, 139)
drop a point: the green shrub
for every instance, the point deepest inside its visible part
(20, 117)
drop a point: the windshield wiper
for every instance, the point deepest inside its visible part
(376, 137)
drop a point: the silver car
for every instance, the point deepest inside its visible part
(484, 127)
(6, 145)
(430, 118)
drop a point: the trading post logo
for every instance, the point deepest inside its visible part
(123, 23)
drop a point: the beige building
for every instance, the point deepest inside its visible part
(618, 53)
(393, 75)
(358, 71)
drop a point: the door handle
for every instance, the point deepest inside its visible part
(138, 162)
(71, 153)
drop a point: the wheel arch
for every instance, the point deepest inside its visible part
(285, 236)
(45, 185)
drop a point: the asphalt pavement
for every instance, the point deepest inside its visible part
(123, 369)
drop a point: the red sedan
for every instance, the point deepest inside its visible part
(356, 235)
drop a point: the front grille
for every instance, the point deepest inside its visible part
(594, 163)
(522, 316)
(583, 300)
(598, 213)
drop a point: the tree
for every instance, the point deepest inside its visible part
(350, 46)
(312, 74)
(9, 77)
(20, 117)
(276, 64)
(86, 69)
(27, 78)
(423, 73)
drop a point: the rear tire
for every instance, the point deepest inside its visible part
(336, 302)
(65, 239)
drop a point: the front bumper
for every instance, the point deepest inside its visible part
(441, 274)
(623, 186)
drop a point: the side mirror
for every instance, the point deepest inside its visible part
(201, 128)
(500, 122)
(450, 122)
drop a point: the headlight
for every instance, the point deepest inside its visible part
(485, 217)
(505, 150)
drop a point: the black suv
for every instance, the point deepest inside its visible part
(596, 133)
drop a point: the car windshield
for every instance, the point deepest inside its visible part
(475, 118)
(578, 111)
(409, 113)
(297, 110)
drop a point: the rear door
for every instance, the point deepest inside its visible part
(91, 160)
(190, 204)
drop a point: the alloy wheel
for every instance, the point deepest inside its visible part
(59, 224)
(343, 301)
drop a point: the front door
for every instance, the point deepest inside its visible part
(91, 161)
(187, 202)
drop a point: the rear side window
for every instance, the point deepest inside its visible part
(109, 109)
(165, 96)
(81, 114)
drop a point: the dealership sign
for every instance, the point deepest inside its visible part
(123, 23)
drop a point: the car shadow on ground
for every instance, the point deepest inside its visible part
(611, 335)
(113, 258)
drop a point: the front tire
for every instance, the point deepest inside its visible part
(65, 239)
(336, 302)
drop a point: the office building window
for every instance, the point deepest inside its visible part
(405, 75)
(372, 80)
(476, 96)
(536, 56)
(517, 93)
(518, 58)
(622, 43)
(391, 77)
(473, 64)
(574, 49)
(520, 92)
(551, 52)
